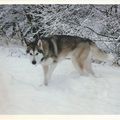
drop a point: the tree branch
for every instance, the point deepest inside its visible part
(100, 34)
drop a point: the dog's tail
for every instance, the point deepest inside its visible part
(99, 54)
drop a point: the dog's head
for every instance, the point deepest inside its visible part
(36, 51)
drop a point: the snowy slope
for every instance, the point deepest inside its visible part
(22, 90)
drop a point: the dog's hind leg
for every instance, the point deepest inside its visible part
(79, 58)
(78, 67)
(88, 65)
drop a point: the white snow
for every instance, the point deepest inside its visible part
(22, 90)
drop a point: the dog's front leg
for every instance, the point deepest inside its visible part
(45, 70)
(51, 69)
(48, 70)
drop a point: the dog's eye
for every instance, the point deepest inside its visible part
(27, 51)
(40, 51)
(30, 53)
(36, 53)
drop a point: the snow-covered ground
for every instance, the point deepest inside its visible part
(22, 90)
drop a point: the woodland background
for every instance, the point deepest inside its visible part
(101, 23)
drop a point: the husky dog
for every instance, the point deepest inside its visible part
(48, 51)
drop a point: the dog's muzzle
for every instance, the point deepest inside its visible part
(33, 62)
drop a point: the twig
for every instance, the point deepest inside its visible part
(6, 36)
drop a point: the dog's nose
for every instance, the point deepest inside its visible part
(33, 62)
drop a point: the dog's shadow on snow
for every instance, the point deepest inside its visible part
(64, 79)
(60, 81)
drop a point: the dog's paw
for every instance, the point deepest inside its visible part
(45, 83)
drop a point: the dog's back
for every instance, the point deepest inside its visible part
(67, 42)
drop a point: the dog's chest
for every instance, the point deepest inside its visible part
(48, 61)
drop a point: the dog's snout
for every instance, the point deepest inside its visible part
(33, 62)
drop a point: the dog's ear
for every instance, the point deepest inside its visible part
(40, 44)
(27, 46)
(43, 44)
(26, 42)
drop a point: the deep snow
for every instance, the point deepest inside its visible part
(22, 90)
